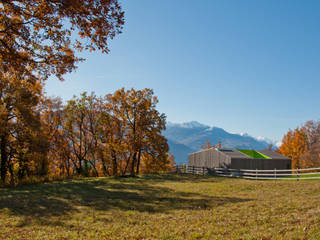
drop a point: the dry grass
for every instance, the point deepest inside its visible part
(161, 207)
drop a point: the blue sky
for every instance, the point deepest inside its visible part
(246, 66)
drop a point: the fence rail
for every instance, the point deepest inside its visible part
(276, 174)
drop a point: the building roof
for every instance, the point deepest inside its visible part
(273, 154)
(234, 153)
(247, 153)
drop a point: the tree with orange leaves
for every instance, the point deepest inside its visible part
(140, 125)
(303, 145)
(294, 145)
(38, 39)
(20, 127)
(35, 35)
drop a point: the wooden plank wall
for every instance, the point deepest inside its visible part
(265, 164)
(210, 158)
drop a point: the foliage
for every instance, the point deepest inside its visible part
(207, 145)
(140, 126)
(23, 144)
(303, 145)
(39, 38)
(118, 134)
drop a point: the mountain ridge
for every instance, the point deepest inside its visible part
(185, 138)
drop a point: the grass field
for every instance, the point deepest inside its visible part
(162, 207)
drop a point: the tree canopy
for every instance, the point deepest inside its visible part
(39, 38)
(118, 134)
(302, 145)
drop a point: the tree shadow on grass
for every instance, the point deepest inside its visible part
(61, 198)
(182, 177)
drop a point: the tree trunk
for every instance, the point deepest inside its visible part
(44, 166)
(4, 158)
(134, 159)
(114, 164)
(138, 163)
(104, 168)
(22, 167)
(127, 163)
(85, 169)
(11, 174)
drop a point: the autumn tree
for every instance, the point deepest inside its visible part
(139, 124)
(91, 136)
(80, 129)
(294, 144)
(207, 145)
(303, 145)
(20, 128)
(39, 38)
(312, 130)
(172, 164)
(145, 126)
(155, 158)
(312, 157)
(113, 132)
(53, 118)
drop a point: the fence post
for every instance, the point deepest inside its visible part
(275, 174)
(203, 171)
(256, 174)
(193, 169)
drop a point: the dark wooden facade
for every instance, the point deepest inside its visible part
(234, 159)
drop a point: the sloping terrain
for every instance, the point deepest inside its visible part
(180, 151)
(161, 207)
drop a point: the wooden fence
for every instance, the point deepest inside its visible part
(276, 174)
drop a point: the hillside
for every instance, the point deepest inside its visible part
(161, 207)
(180, 151)
(188, 137)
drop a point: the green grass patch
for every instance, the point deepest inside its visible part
(253, 154)
(306, 176)
(161, 207)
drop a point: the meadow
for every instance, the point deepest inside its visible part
(167, 206)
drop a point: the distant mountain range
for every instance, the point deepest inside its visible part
(185, 138)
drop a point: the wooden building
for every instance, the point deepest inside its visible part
(239, 159)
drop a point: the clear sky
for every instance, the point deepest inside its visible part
(246, 66)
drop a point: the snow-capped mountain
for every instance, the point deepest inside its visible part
(184, 138)
(192, 124)
(269, 141)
